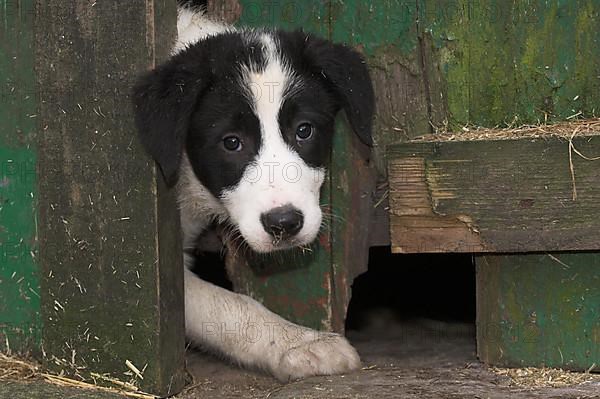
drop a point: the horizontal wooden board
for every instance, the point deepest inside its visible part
(516, 195)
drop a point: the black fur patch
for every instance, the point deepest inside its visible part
(194, 100)
(341, 70)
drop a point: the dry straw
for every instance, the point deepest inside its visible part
(531, 377)
(564, 130)
(21, 370)
(15, 369)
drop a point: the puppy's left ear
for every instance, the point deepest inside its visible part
(164, 100)
(346, 71)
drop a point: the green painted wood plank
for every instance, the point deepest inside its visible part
(353, 177)
(388, 25)
(20, 322)
(311, 15)
(112, 283)
(539, 310)
(494, 196)
(514, 63)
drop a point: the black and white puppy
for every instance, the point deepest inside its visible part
(242, 121)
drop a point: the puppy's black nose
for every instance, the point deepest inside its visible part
(283, 222)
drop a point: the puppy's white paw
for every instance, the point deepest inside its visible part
(327, 354)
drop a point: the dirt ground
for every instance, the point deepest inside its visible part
(421, 359)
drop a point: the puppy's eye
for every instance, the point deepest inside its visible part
(232, 143)
(304, 131)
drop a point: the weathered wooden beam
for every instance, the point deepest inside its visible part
(112, 284)
(513, 195)
(539, 310)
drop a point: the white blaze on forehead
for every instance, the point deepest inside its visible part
(278, 176)
(266, 89)
(267, 84)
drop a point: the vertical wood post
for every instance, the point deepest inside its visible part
(112, 283)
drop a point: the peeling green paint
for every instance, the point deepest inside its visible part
(19, 274)
(20, 322)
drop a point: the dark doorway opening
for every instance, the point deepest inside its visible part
(439, 287)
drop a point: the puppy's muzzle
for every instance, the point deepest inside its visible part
(283, 222)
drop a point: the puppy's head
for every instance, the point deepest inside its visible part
(254, 112)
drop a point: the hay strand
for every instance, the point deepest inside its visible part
(14, 369)
(531, 377)
(68, 382)
(567, 130)
(564, 130)
(572, 150)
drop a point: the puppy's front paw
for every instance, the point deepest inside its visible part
(327, 354)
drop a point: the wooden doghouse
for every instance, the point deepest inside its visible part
(90, 273)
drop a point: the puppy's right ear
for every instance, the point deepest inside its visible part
(164, 100)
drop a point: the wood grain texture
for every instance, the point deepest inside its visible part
(494, 196)
(111, 258)
(229, 11)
